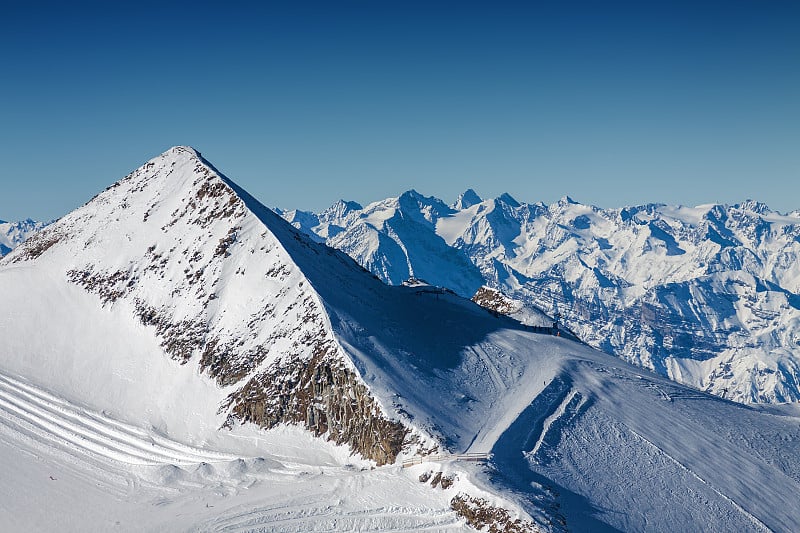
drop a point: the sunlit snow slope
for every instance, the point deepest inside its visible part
(173, 349)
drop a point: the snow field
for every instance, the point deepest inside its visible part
(54, 453)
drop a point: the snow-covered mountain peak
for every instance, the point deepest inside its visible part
(754, 206)
(216, 278)
(508, 200)
(566, 201)
(339, 210)
(174, 306)
(466, 200)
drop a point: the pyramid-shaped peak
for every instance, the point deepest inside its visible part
(181, 166)
(411, 194)
(412, 197)
(182, 155)
(467, 199)
(508, 200)
(341, 208)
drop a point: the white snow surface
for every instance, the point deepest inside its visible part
(708, 296)
(101, 430)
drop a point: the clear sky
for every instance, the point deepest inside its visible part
(612, 103)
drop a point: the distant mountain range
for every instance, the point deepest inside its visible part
(707, 296)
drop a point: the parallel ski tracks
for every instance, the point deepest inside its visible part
(30, 410)
(316, 516)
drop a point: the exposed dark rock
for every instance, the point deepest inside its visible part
(325, 397)
(480, 514)
(109, 286)
(225, 242)
(37, 244)
(447, 482)
(495, 301)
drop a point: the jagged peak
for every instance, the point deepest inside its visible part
(566, 200)
(466, 200)
(508, 200)
(411, 194)
(754, 206)
(416, 201)
(339, 209)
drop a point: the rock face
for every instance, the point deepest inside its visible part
(483, 516)
(708, 296)
(496, 301)
(198, 263)
(325, 397)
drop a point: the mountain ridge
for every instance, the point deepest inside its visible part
(613, 275)
(190, 321)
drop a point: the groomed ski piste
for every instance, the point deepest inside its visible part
(101, 430)
(67, 468)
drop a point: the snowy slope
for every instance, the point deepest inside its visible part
(707, 296)
(13, 233)
(175, 302)
(175, 349)
(173, 250)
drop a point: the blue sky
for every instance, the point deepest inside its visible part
(612, 103)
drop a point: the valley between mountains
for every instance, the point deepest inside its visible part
(177, 356)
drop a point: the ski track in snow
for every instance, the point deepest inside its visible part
(138, 469)
(38, 413)
(552, 421)
(756, 522)
(320, 515)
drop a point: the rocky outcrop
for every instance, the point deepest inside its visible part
(483, 516)
(36, 245)
(325, 397)
(495, 301)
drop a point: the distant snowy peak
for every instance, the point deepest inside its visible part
(753, 206)
(339, 210)
(508, 200)
(411, 203)
(14, 233)
(466, 199)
